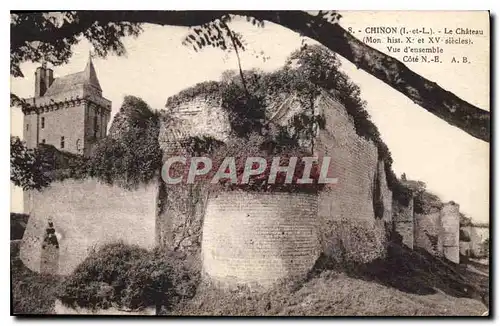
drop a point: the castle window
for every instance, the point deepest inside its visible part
(95, 126)
(62, 141)
(43, 122)
(43, 141)
(27, 126)
(78, 145)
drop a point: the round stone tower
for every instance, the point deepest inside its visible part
(259, 239)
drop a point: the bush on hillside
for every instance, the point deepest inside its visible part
(464, 220)
(486, 247)
(426, 203)
(129, 277)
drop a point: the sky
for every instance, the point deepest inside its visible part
(454, 165)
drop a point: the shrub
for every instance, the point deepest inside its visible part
(426, 203)
(132, 155)
(28, 168)
(129, 277)
(464, 220)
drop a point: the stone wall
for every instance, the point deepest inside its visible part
(471, 239)
(200, 116)
(179, 218)
(354, 161)
(67, 122)
(180, 210)
(450, 219)
(361, 177)
(385, 193)
(87, 214)
(427, 233)
(403, 221)
(259, 238)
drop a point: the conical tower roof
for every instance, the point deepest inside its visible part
(90, 74)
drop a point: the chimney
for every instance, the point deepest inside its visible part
(49, 77)
(43, 79)
(40, 81)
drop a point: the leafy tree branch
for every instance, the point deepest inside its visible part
(36, 35)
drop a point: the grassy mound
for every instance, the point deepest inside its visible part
(405, 283)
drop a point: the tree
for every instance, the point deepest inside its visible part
(28, 169)
(37, 36)
(131, 155)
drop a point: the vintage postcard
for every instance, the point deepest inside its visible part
(250, 163)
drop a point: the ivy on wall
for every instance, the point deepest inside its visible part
(305, 73)
(131, 155)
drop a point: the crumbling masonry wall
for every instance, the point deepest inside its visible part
(403, 221)
(180, 207)
(351, 202)
(179, 218)
(259, 238)
(85, 214)
(450, 219)
(385, 194)
(428, 232)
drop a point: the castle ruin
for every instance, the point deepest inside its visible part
(241, 238)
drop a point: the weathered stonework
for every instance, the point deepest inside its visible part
(259, 238)
(361, 186)
(201, 117)
(180, 217)
(69, 112)
(86, 214)
(474, 236)
(385, 193)
(354, 161)
(180, 207)
(450, 219)
(403, 221)
(428, 232)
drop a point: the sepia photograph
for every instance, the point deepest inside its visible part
(250, 163)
